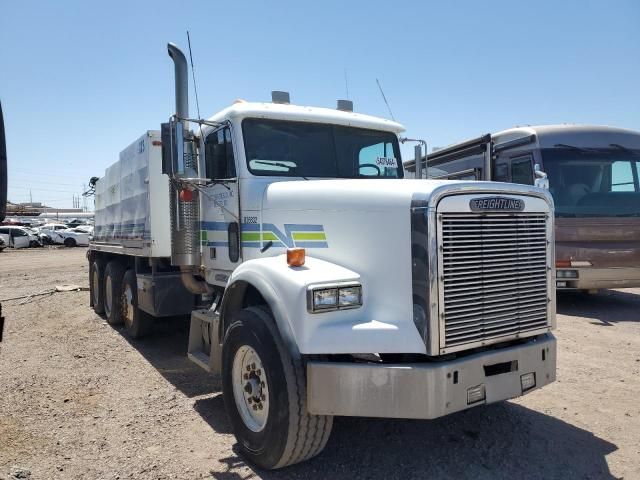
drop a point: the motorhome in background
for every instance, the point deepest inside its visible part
(593, 174)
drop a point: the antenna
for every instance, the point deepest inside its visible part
(385, 100)
(346, 83)
(193, 73)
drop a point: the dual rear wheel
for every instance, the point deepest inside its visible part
(114, 293)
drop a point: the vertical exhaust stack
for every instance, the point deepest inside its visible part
(185, 214)
(182, 81)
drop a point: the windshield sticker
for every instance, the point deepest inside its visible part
(389, 162)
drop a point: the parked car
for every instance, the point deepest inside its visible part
(49, 235)
(18, 237)
(73, 237)
(85, 228)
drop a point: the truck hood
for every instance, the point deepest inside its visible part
(358, 194)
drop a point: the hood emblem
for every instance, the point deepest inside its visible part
(502, 204)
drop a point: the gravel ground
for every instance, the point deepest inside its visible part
(79, 400)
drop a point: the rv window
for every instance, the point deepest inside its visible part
(594, 182)
(219, 155)
(522, 171)
(622, 177)
(501, 172)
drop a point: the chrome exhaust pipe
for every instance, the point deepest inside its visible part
(181, 80)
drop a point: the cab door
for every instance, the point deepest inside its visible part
(220, 207)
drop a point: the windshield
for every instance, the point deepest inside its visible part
(300, 149)
(594, 182)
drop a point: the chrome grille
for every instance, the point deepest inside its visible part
(494, 275)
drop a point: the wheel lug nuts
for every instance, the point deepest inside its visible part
(259, 406)
(248, 368)
(258, 372)
(245, 376)
(263, 397)
(249, 399)
(255, 407)
(253, 366)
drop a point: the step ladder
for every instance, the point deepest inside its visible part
(204, 345)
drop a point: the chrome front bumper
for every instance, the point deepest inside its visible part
(592, 278)
(427, 390)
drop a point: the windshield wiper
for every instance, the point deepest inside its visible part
(276, 164)
(577, 149)
(624, 149)
(280, 164)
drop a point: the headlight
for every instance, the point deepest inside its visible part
(337, 297)
(350, 296)
(323, 299)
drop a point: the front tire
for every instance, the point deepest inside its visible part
(69, 242)
(258, 370)
(136, 322)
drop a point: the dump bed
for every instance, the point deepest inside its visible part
(125, 221)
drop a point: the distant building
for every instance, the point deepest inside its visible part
(31, 209)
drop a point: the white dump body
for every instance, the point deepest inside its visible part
(125, 221)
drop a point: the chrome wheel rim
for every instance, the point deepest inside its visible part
(96, 284)
(127, 305)
(250, 388)
(108, 292)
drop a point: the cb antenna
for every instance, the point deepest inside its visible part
(346, 83)
(193, 74)
(385, 100)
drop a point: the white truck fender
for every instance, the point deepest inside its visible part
(282, 287)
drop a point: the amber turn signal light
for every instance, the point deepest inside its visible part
(295, 257)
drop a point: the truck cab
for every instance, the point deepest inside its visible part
(319, 281)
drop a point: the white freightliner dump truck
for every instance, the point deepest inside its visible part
(318, 281)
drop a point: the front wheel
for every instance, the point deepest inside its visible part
(69, 242)
(264, 390)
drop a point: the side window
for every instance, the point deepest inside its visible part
(4, 231)
(19, 233)
(522, 170)
(218, 152)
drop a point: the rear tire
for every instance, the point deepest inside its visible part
(288, 434)
(69, 242)
(136, 322)
(96, 287)
(112, 282)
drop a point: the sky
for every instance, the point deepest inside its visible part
(81, 80)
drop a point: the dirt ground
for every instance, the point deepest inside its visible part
(79, 400)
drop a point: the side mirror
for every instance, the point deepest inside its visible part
(3, 171)
(179, 152)
(541, 180)
(172, 136)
